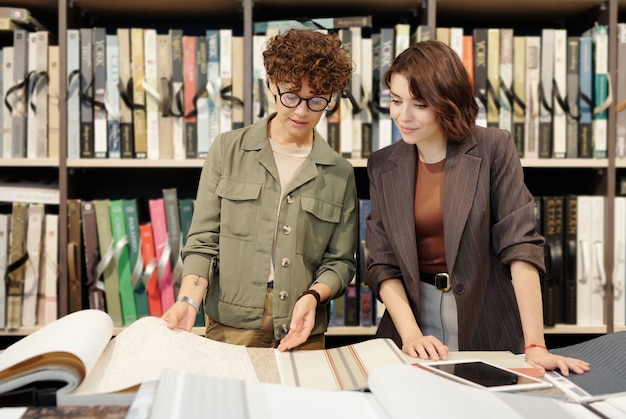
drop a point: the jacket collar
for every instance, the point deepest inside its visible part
(256, 139)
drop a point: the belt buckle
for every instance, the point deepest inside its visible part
(442, 281)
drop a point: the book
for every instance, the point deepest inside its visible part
(75, 264)
(519, 93)
(48, 295)
(621, 91)
(86, 93)
(585, 98)
(163, 252)
(15, 271)
(38, 97)
(481, 54)
(237, 91)
(121, 257)
(189, 89)
(559, 93)
(152, 93)
(74, 87)
(493, 77)
(226, 78)
(77, 354)
(546, 96)
(569, 257)
(125, 88)
(149, 276)
(213, 81)
(202, 97)
(164, 77)
(12, 190)
(571, 100)
(138, 93)
(112, 103)
(174, 236)
(93, 282)
(5, 233)
(34, 236)
(99, 55)
(602, 97)
(552, 282)
(7, 83)
(54, 116)
(131, 220)
(619, 265)
(366, 302)
(17, 94)
(177, 103)
(533, 72)
(505, 120)
(106, 267)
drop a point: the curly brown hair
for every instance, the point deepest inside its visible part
(300, 53)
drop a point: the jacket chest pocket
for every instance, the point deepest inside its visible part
(239, 207)
(317, 225)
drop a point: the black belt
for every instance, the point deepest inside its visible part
(441, 280)
(270, 285)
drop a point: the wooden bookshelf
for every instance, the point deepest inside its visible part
(526, 15)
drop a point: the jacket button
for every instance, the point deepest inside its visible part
(285, 262)
(283, 295)
(290, 199)
(284, 328)
(286, 230)
(459, 289)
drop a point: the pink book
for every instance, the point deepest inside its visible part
(164, 269)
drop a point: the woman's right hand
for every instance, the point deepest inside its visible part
(180, 316)
(425, 347)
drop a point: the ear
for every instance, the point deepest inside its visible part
(272, 86)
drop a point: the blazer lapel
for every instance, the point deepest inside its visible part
(460, 182)
(399, 197)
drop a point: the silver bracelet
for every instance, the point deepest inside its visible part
(189, 301)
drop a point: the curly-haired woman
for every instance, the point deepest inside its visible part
(276, 210)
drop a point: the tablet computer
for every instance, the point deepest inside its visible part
(485, 375)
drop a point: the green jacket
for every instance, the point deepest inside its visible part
(235, 216)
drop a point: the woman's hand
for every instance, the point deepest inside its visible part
(302, 322)
(425, 347)
(180, 316)
(543, 360)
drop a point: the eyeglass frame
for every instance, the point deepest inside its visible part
(300, 99)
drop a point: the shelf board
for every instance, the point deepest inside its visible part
(562, 8)
(566, 163)
(10, 162)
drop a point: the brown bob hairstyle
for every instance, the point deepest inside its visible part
(437, 76)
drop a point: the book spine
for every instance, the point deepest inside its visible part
(139, 93)
(506, 80)
(619, 267)
(185, 209)
(31, 116)
(163, 252)
(75, 265)
(122, 258)
(549, 227)
(387, 53)
(94, 283)
(259, 78)
(480, 74)
(573, 70)
(73, 93)
(5, 234)
(99, 91)
(585, 103)
(598, 276)
(54, 116)
(149, 277)
(125, 92)
(107, 268)
(238, 81)
(601, 94)
(569, 294)
(114, 138)
(164, 76)
(493, 77)
(152, 94)
(345, 106)
(226, 78)
(202, 101)
(50, 277)
(546, 107)
(559, 117)
(34, 236)
(178, 107)
(621, 91)
(533, 62)
(356, 89)
(19, 93)
(366, 302)
(519, 92)
(40, 95)
(366, 85)
(131, 224)
(189, 88)
(86, 95)
(7, 83)
(583, 260)
(17, 265)
(213, 82)
(174, 238)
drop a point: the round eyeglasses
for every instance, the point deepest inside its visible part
(292, 100)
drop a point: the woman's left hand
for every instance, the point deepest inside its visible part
(302, 322)
(543, 360)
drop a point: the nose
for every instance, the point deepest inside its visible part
(403, 112)
(302, 108)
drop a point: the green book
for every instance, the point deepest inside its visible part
(121, 255)
(131, 216)
(185, 209)
(107, 268)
